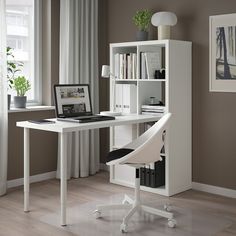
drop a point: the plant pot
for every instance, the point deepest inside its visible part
(142, 35)
(20, 101)
(9, 101)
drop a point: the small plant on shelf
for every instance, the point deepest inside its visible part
(142, 20)
(21, 85)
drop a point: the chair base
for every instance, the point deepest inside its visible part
(134, 206)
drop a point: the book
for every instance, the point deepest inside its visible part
(117, 64)
(153, 110)
(152, 113)
(129, 67)
(153, 63)
(118, 97)
(134, 66)
(153, 107)
(121, 67)
(143, 67)
(124, 66)
(43, 121)
(129, 98)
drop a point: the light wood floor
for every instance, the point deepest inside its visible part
(215, 215)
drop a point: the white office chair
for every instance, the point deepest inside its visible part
(142, 151)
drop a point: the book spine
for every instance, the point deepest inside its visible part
(121, 67)
(152, 113)
(134, 66)
(125, 66)
(117, 64)
(129, 67)
(153, 107)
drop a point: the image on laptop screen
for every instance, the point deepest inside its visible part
(72, 100)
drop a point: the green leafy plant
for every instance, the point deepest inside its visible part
(142, 19)
(12, 67)
(21, 85)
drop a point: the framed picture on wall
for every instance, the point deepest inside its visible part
(223, 53)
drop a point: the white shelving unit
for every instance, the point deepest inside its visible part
(175, 92)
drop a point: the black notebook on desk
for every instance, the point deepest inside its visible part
(73, 104)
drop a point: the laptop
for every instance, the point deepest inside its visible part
(73, 104)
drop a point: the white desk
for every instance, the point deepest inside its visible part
(63, 128)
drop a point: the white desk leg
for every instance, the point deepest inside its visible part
(26, 169)
(63, 140)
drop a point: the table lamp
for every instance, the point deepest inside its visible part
(107, 74)
(164, 20)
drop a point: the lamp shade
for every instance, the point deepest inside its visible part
(164, 18)
(105, 71)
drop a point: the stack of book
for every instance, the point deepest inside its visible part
(125, 66)
(153, 109)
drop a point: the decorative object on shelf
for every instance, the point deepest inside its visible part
(142, 20)
(164, 20)
(222, 53)
(152, 100)
(21, 85)
(107, 74)
(160, 74)
(13, 67)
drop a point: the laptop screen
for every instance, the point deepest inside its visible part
(72, 100)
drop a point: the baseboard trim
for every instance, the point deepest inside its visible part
(104, 167)
(41, 177)
(33, 179)
(214, 189)
(196, 186)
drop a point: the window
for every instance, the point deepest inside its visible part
(23, 31)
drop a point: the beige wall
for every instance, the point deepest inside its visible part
(214, 114)
(43, 149)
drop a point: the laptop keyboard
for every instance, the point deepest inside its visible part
(95, 118)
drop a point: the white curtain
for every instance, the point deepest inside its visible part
(3, 102)
(79, 65)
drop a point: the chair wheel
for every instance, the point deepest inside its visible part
(97, 214)
(123, 228)
(172, 223)
(167, 207)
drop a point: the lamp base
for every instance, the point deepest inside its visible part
(163, 32)
(110, 113)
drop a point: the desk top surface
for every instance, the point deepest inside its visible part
(63, 127)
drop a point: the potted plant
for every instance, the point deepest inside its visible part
(13, 67)
(142, 20)
(21, 85)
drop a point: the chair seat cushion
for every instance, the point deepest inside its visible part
(116, 154)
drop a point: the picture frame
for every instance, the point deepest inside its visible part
(222, 52)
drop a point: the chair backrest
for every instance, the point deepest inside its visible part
(146, 147)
